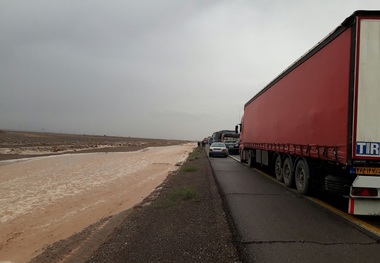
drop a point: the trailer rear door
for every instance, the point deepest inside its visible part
(366, 139)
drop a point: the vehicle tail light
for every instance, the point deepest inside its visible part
(361, 191)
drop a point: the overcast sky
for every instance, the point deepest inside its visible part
(171, 69)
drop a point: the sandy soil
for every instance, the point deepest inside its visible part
(46, 199)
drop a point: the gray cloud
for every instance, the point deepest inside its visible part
(159, 69)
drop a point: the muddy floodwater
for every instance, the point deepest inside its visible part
(46, 199)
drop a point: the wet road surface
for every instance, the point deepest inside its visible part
(275, 224)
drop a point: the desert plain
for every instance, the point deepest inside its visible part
(55, 185)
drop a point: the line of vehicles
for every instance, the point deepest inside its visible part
(317, 124)
(222, 143)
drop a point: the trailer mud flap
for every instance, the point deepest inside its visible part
(365, 196)
(364, 207)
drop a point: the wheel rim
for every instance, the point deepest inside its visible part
(286, 173)
(277, 169)
(301, 178)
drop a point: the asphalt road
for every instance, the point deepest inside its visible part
(275, 224)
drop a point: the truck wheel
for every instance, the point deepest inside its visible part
(250, 158)
(287, 172)
(241, 157)
(278, 169)
(302, 177)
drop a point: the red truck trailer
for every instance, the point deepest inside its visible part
(318, 123)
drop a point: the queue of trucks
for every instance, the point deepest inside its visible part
(317, 124)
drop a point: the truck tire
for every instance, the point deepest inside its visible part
(250, 160)
(287, 172)
(242, 157)
(278, 168)
(302, 176)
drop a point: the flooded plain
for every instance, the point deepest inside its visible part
(46, 199)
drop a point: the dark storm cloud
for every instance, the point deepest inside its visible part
(163, 69)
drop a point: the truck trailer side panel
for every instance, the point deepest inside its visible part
(308, 107)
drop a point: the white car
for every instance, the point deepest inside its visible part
(218, 149)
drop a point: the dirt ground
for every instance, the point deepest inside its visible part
(56, 209)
